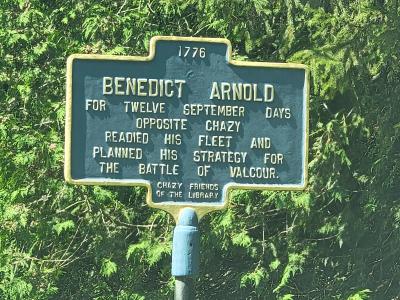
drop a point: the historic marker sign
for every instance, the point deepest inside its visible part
(186, 121)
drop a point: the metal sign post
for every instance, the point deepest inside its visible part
(189, 123)
(185, 254)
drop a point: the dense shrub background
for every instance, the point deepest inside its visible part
(340, 239)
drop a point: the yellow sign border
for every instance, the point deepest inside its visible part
(172, 207)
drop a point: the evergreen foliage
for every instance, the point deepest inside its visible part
(339, 239)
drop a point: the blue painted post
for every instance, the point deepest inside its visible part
(185, 254)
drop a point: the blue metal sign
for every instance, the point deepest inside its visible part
(187, 122)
